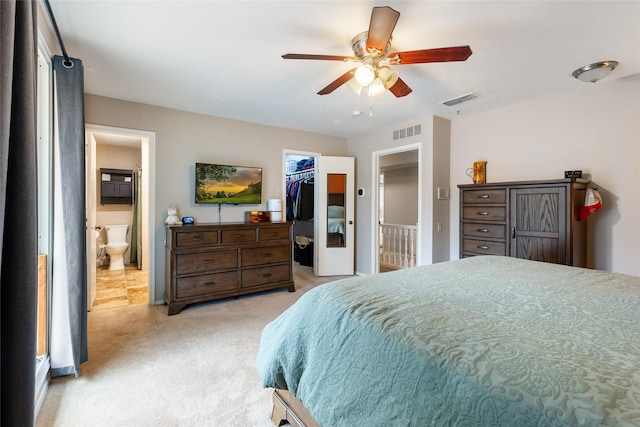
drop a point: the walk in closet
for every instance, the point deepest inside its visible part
(299, 205)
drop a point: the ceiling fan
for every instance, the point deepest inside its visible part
(372, 50)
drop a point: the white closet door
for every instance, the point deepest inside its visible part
(334, 239)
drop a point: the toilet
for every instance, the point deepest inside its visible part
(116, 245)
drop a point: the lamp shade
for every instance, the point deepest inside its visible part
(388, 76)
(365, 75)
(376, 87)
(353, 84)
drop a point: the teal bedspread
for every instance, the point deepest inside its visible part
(474, 342)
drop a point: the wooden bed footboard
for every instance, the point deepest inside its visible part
(288, 409)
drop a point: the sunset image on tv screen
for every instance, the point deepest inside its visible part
(228, 184)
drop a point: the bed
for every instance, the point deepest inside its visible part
(479, 341)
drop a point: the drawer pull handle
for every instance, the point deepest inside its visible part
(239, 236)
(274, 233)
(197, 238)
(484, 196)
(482, 230)
(209, 283)
(482, 247)
(267, 275)
(209, 261)
(267, 255)
(482, 213)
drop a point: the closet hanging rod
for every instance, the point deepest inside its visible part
(300, 175)
(67, 61)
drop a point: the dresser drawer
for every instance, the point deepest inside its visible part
(484, 213)
(196, 286)
(494, 197)
(493, 231)
(262, 276)
(265, 255)
(484, 247)
(196, 238)
(238, 236)
(206, 261)
(273, 233)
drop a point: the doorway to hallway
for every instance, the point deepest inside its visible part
(397, 208)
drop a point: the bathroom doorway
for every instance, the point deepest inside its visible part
(120, 149)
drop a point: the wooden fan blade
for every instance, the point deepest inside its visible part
(400, 89)
(338, 82)
(444, 54)
(321, 57)
(383, 21)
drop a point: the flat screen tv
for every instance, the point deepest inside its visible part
(226, 184)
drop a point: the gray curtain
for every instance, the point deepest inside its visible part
(18, 211)
(68, 343)
(135, 256)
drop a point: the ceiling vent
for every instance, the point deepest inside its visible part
(460, 99)
(407, 132)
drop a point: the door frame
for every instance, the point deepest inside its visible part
(148, 154)
(375, 205)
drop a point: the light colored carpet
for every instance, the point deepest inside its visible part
(196, 368)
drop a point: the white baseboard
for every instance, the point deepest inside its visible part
(42, 382)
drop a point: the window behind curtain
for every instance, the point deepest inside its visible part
(44, 119)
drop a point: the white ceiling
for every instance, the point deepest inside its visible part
(223, 58)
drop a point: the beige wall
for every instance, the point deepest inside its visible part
(596, 129)
(401, 195)
(363, 147)
(184, 138)
(441, 179)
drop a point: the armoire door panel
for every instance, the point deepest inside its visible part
(537, 249)
(538, 224)
(537, 212)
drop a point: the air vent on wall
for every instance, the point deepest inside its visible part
(460, 99)
(407, 132)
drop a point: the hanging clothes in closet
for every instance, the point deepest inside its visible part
(300, 193)
(305, 205)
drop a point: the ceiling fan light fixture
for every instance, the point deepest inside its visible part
(593, 72)
(353, 84)
(372, 49)
(365, 74)
(376, 87)
(388, 76)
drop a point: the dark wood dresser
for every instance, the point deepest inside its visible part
(212, 261)
(534, 220)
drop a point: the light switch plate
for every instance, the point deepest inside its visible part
(443, 193)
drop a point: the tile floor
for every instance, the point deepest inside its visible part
(119, 288)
